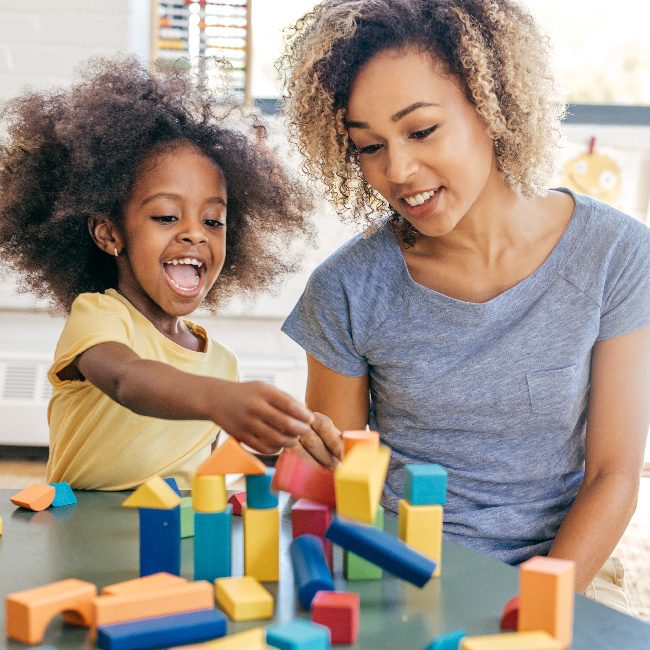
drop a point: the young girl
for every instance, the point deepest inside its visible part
(482, 322)
(126, 201)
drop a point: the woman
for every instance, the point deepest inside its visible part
(481, 322)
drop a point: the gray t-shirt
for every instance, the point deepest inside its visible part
(495, 392)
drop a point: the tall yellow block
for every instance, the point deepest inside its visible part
(511, 641)
(359, 481)
(262, 543)
(243, 598)
(546, 594)
(254, 639)
(209, 493)
(421, 528)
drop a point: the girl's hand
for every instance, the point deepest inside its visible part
(260, 415)
(323, 441)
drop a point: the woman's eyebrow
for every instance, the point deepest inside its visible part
(352, 124)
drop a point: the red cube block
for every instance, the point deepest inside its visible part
(338, 611)
(237, 500)
(312, 518)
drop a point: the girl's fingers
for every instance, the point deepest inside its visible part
(284, 424)
(287, 404)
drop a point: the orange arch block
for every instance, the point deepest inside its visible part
(29, 612)
(231, 458)
(37, 496)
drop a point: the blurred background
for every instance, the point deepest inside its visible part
(602, 59)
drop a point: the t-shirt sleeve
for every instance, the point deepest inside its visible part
(94, 318)
(321, 323)
(626, 300)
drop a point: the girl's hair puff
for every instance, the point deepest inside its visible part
(492, 47)
(73, 154)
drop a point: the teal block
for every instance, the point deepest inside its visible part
(355, 567)
(63, 495)
(298, 635)
(213, 544)
(187, 517)
(258, 491)
(447, 641)
(425, 485)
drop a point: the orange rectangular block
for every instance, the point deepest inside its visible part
(29, 612)
(147, 584)
(352, 438)
(184, 598)
(546, 596)
(37, 496)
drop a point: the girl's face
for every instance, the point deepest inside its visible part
(174, 232)
(422, 145)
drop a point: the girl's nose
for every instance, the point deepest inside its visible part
(193, 234)
(400, 165)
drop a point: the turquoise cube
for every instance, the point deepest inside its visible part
(63, 495)
(258, 491)
(298, 635)
(448, 641)
(425, 485)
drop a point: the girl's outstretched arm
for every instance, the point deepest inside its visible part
(617, 425)
(256, 413)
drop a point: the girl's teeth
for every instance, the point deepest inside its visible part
(419, 199)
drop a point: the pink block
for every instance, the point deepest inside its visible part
(237, 500)
(311, 518)
(304, 478)
(339, 611)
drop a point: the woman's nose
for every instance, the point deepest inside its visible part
(400, 165)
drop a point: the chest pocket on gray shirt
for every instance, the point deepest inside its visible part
(552, 390)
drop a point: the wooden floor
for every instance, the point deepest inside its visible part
(633, 549)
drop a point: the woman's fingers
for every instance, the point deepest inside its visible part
(329, 434)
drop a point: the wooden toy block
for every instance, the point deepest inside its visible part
(355, 567)
(243, 598)
(155, 582)
(171, 481)
(231, 458)
(359, 481)
(209, 493)
(339, 612)
(160, 540)
(237, 500)
(546, 595)
(36, 496)
(1, 526)
(162, 631)
(425, 485)
(155, 493)
(187, 518)
(298, 635)
(310, 571)
(258, 491)
(447, 641)
(173, 600)
(312, 518)
(63, 495)
(510, 616)
(421, 528)
(212, 544)
(376, 546)
(29, 612)
(254, 639)
(262, 543)
(511, 641)
(352, 438)
(303, 478)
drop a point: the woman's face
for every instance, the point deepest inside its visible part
(422, 145)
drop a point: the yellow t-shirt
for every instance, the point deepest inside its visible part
(96, 444)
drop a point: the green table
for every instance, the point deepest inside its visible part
(97, 540)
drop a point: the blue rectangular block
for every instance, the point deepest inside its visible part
(160, 540)
(298, 635)
(63, 495)
(258, 491)
(163, 631)
(425, 485)
(212, 544)
(388, 552)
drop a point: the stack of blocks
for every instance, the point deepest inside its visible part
(421, 511)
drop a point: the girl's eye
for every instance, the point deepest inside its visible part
(370, 149)
(167, 218)
(214, 223)
(420, 135)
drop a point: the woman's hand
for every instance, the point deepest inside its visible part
(323, 441)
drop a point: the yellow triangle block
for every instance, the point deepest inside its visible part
(155, 493)
(231, 458)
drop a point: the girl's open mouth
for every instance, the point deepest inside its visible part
(185, 275)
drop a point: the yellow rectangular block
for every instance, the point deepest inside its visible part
(209, 493)
(359, 481)
(262, 543)
(243, 598)
(254, 639)
(546, 595)
(511, 641)
(421, 528)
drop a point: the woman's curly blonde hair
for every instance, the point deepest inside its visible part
(492, 46)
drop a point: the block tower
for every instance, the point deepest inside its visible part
(421, 510)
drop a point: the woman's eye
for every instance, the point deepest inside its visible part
(371, 148)
(214, 223)
(420, 135)
(166, 218)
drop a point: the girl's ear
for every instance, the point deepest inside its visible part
(105, 235)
